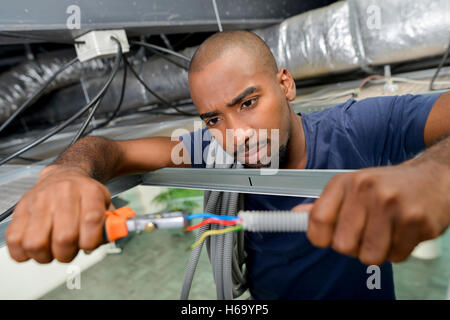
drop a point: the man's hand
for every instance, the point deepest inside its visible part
(65, 210)
(62, 213)
(380, 214)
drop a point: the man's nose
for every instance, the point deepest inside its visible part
(239, 131)
(241, 136)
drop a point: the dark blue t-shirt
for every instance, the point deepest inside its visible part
(353, 135)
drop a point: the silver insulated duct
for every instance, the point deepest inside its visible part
(351, 34)
(20, 83)
(344, 36)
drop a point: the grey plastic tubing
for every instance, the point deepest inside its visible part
(226, 252)
(220, 247)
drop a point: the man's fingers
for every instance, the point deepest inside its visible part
(350, 226)
(37, 237)
(65, 230)
(377, 237)
(304, 207)
(15, 233)
(323, 215)
(404, 240)
(92, 221)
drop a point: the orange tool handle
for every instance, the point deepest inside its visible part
(116, 223)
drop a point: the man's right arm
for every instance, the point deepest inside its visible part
(65, 210)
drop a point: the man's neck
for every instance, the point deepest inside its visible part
(296, 147)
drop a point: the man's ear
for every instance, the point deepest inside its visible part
(287, 84)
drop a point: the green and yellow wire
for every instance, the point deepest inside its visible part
(214, 232)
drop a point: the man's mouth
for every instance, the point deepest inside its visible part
(252, 155)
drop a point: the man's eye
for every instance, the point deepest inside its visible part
(211, 122)
(249, 103)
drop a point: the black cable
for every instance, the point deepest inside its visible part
(183, 40)
(152, 111)
(71, 119)
(119, 104)
(165, 57)
(441, 64)
(95, 107)
(165, 102)
(86, 122)
(143, 82)
(36, 95)
(155, 47)
(7, 213)
(122, 94)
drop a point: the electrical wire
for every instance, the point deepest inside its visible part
(71, 119)
(165, 57)
(95, 107)
(351, 92)
(119, 104)
(376, 79)
(97, 99)
(7, 213)
(441, 64)
(86, 122)
(213, 232)
(162, 49)
(407, 80)
(161, 99)
(216, 12)
(369, 78)
(214, 220)
(210, 215)
(36, 95)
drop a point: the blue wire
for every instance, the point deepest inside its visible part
(210, 215)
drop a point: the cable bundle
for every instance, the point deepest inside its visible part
(209, 218)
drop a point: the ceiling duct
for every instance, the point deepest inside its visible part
(345, 36)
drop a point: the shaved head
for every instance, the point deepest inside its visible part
(221, 43)
(235, 85)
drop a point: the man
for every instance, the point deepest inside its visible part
(362, 218)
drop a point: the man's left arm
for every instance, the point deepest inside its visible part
(382, 213)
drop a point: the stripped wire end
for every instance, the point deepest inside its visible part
(214, 232)
(215, 220)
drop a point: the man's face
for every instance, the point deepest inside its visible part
(234, 92)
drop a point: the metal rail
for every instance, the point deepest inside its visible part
(285, 182)
(300, 183)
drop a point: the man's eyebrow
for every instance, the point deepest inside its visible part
(235, 100)
(208, 114)
(242, 95)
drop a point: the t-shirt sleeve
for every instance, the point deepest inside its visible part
(389, 130)
(196, 142)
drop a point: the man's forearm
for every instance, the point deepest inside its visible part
(96, 156)
(439, 153)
